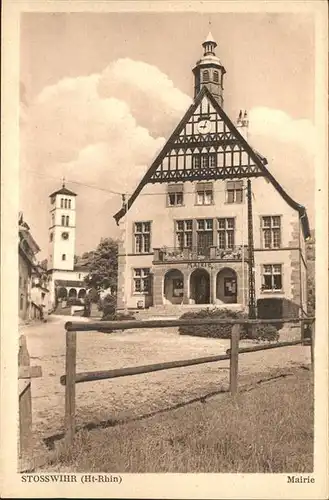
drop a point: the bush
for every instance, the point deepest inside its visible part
(265, 332)
(116, 317)
(214, 331)
(255, 332)
(108, 306)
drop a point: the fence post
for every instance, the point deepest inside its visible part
(25, 400)
(312, 343)
(70, 370)
(235, 337)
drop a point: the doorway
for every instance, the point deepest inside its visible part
(200, 286)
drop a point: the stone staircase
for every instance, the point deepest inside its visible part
(175, 311)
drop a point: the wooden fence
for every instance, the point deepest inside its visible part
(71, 377)
(25, 373)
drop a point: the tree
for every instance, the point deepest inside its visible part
(103, 266)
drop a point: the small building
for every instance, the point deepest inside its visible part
(66, 277)
(27, 250)
(40, 304)
(221, 230)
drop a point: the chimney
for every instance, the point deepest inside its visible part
(243, 123)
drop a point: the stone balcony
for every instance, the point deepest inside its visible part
(212, 253)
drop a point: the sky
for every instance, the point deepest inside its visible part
(100, 93)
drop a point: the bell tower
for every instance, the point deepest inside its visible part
(209, 71)
(62, 230)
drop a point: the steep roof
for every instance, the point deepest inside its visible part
(260, 161)
(64, 191)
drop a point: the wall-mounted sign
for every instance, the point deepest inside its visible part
(208, 265)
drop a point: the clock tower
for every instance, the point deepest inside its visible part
(209, 71)
(62, 230)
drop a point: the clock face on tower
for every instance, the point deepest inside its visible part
(204, 126)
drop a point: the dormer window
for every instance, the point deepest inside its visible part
(206, 76)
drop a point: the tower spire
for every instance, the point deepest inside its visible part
(209, 71)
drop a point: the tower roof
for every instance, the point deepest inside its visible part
(63, 190)
(210, 38)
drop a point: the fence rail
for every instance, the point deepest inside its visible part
(71, 378)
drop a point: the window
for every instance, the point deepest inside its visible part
(204, 234)
(142, 235)
(272, 277)
(234, 191)
(21, 302)
(51, 237)
(196, 162)
(184, 230)
(271, 229)
(204, 161)
(204, 193)
(62, 202)
(216, 78)
(226, 230)
(64, 256)
(175, 195)
(65, 220)
(69, 202)
(142, 280)
(206, 76)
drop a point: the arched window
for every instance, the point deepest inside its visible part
(51, 237)
(216, 77)
(67, 220)
(65, 203)
(206, 76)
(62, 202)
(64, 256)
(63, 220)
(69, 203)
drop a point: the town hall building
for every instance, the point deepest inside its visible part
(208, 224)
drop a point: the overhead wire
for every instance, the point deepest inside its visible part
(91, 186)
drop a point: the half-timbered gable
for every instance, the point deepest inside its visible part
(208, 223)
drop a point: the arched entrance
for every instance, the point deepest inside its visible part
(226, 286)
(200, 286)
(82, 293)
(174, 287)
(72, 293)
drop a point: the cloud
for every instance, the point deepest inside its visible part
(280, 126)
(115, 119)
(101, 129)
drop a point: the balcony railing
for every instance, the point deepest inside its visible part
(167, 254)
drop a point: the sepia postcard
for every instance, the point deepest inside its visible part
(164, 250)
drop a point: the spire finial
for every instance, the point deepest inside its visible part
(63, 182)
